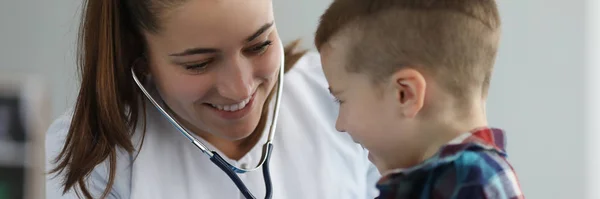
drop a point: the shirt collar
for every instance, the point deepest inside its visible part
(480, 138)
(485, 137)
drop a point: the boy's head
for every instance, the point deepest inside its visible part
(405, 66)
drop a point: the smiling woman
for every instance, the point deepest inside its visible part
(215, 72)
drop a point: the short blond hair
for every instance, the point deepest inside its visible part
(455, 41)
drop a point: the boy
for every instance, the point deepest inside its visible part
(411, 77)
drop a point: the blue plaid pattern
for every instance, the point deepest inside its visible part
(472, 166)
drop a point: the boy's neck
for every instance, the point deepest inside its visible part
(451, 126)
(436, 134)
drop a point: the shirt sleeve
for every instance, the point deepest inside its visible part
(98, 179)
(478, 175)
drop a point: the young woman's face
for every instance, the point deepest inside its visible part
(215, 62)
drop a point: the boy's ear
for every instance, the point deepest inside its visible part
(409, 87)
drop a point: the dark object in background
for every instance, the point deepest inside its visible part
(12, 182)
(12, 153)
(11, 125)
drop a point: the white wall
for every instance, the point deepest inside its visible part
(38, 37)
(298, 19)
(593, 98)
(537, 95)
(537, 89)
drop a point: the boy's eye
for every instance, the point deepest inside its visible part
(261, 48)
(338, 101)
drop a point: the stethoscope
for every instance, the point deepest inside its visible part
(229, 169)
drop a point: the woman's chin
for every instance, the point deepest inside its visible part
(243, 128)
(235, 133)
(239, 130)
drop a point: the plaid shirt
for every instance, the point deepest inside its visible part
(471, 166)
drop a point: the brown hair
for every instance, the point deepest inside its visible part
(107, 107)
(455, 41)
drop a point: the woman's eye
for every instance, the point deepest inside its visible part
(196, 67)
(261, 48)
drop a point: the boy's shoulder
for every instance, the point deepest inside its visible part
(475, 166)
(476, 174)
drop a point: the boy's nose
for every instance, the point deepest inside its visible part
(339, 125)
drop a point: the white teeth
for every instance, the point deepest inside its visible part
(233, 107)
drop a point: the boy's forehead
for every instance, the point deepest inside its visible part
(336, 49)
(342, 39)
(335, 52)
(333, 57)
(332, 63)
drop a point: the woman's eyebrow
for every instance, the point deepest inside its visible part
(260, 31)
(195, 51)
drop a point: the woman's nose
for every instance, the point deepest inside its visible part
(235, 81)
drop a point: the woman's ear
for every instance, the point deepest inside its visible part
(141, 66)
(409, 87)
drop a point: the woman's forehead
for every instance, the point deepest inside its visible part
(214, 22)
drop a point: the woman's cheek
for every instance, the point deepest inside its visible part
(267, 65)
(185, 89)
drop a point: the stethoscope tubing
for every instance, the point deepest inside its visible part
(231, 171)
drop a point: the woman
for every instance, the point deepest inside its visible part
(214, 64)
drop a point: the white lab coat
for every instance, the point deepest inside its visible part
(310, 160)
